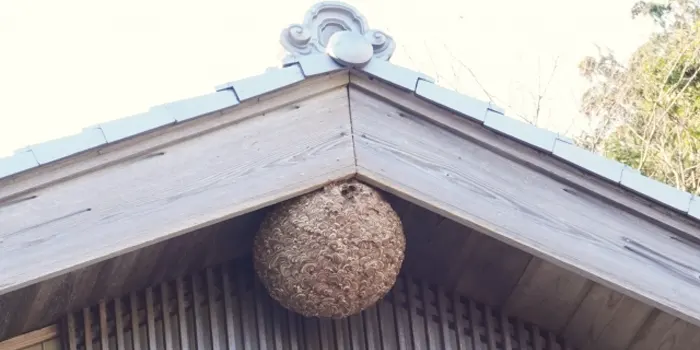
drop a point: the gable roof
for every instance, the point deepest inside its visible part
(302, 67)
(332, 89)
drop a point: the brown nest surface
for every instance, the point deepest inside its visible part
(330, 253)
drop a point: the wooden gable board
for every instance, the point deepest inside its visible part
(66, 207)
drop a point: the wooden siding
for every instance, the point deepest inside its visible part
(211, 171)
(588, 314)
(44, 303)
(225, 307)
(476, 178)
(46, 338)
(439, 252)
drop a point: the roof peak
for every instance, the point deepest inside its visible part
(325, 20)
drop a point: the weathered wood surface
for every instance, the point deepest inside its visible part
(46, 338)
(17, 187)
(587, 314)
(41, 304)
(225, 307)
(179, 188)
(460, 178)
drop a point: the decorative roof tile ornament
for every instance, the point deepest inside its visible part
(317, 36)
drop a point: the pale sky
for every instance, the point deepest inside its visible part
(66, 65)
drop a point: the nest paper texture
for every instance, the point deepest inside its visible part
(331, 253)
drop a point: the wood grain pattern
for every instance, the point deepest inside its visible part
(460, 258)
(532, 158)
(450, 325)
(663, 331)
(414, 159)
(200, 181)
(548, 294)
(606, 318)
(32, 338)
(43, 304)
(18, 187)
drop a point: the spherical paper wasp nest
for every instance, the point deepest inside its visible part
(331, 253)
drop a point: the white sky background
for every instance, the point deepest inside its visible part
(70, 64)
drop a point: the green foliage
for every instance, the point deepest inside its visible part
(648, 111)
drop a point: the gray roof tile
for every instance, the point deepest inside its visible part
(396, 75)
(694, 209)
(527, 133)
(453, 100)
(197, 106)
(60, 148)
(18, 162)
(317, 64)
(565, 138)
(267, 82)
(496, 108)
(656, 190)
(116, 130)
(230, 95)
(587, 160)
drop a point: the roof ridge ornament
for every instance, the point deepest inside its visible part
(339, 30)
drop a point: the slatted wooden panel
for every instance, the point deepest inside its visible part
(225, 307)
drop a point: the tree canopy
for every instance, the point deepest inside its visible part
(647, 111)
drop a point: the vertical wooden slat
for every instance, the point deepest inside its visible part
(262, 324)
(444, 318)
(325, 331)
(150, 320)
(182, 314)
(552, 343)
(412, 292)
(433, 341)
(387, 324)
(213, 311)
(165, 308)
(278, 319)
(402, 318)
(119, 324)
(197, 307)
(232, 333)
(522, 334)
(260, 313)
(72, 340)
(357, 332)
(537, 343)
(371, 327)
(135, 327)
(342, 336)
(247, 315)
(505, 328)
(293, 331)
(87, 327)
(311, 335)
(475, 324)
(104, 332)
(490, 328)
(459, 322)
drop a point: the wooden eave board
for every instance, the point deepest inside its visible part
(189, 177)
(443, 162)
(170, 182)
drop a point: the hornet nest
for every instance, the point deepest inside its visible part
(330, 253)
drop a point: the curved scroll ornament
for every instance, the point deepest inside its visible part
(326, 18)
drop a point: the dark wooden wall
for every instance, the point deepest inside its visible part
(439, 251)
(226, 307)
(586, 313)
(44, 303)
